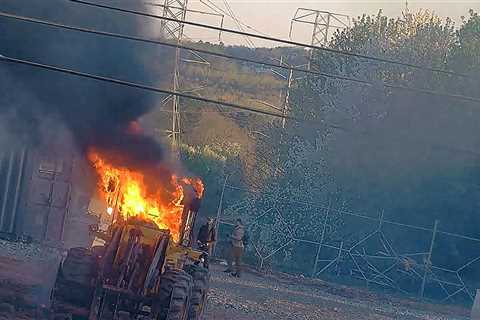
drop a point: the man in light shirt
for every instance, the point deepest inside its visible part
(237, 248)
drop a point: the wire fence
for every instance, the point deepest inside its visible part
(378, 252)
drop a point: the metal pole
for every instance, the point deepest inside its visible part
(286, 105)
(176, 9)
(219, 212)
(429, 257)
(380, 220)
(50, 202)
(321, 240)
(315, 26)
(314, 272)
(339, 257)
(7, 189)
(327, 27)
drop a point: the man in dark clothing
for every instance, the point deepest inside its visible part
(207, 236)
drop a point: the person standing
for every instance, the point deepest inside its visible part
(207, 236)
(237, 248)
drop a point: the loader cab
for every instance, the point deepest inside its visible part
(191, 205)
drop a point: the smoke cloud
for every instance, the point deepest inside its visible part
(96, 113)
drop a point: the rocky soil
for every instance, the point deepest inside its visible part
(261, 297)
(27, 274)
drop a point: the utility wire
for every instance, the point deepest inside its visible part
(140, 86)
(188, 10)
(238, 23)
(217, 102)
(227, 56)
(269, 38)
(215, 8)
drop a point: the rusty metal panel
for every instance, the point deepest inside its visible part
(55, 225)
(60, 194)
(34, 221)
(40, 192)
(57, 211)
(46, 195)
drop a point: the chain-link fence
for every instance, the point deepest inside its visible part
(328, 241)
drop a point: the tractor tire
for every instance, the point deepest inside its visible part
(75, 279)
(173, 298)
(201, 282)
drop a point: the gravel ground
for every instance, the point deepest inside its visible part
(27, 273)
(270, 298)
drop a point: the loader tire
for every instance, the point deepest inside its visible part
(76, 276)
(198, 301)
(174, 294)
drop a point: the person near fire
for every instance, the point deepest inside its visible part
(207, 236)
(237, 246)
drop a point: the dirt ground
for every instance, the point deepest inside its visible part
(260, 297)
(27, 275)
(26, 280)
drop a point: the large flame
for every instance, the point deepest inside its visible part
(126, 194)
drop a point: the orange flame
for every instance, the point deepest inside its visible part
(125, 191)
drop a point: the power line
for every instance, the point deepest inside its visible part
(217, 102)
(269, 38)
(188, 10)
(215, 8)
(140, 86)
(227, 56)
(238, 23)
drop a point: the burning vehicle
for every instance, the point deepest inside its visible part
(146, 266)
(143, 261)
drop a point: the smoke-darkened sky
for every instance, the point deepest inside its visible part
(95, 113)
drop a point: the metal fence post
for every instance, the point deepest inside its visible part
(219, 212)
(428, 263)
(322, 238)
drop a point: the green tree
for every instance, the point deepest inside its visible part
(378, 148)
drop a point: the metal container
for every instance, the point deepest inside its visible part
(45, 196)
(12, 165)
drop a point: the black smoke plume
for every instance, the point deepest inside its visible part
(95, 113)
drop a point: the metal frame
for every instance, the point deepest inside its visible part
(386, 266)
(175, 9)
(174, 30)
(321, 22)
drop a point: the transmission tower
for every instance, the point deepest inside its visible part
(322, 23)
(173, 30)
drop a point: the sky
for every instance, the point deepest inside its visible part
(272, 17)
